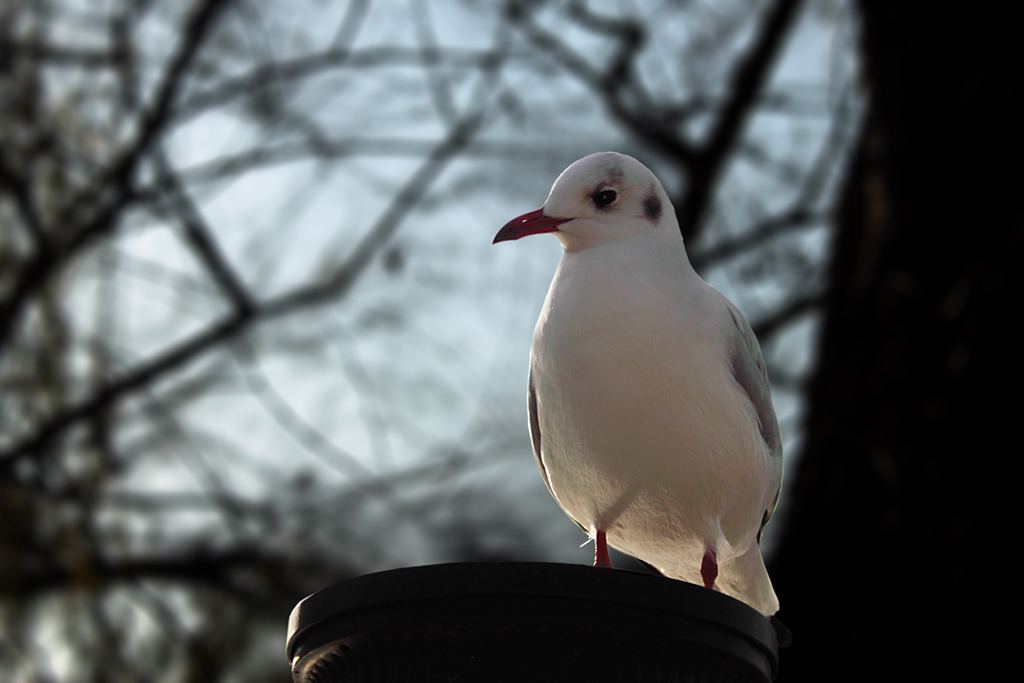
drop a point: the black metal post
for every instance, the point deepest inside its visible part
(526, 622)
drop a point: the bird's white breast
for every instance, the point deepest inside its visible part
(644, 432)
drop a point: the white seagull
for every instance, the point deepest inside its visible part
(650, 410)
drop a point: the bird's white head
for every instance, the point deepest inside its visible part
(604, 197)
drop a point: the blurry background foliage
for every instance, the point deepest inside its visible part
(253, 336)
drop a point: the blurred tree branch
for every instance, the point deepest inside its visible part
(620, 89)
(334, 58)
(113, 185)
(614, 85)
(748, 82)
(335, 285)
(139, 325)
(199, 237)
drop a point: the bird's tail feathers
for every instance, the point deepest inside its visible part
(746, 579)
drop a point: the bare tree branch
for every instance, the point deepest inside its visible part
(57, 55)
(196, 31)
(796, 218)
(802, 304)
(350, 24)
(334, 58)
(440, 88)
(312, 439)
(630, 36)
(23, 199)
(340, 281)
(609, 85)
(40, 269)
(263, 156)
(334, 287)
(157, 274)
(198, 236)
(746, 85)
(803, 211)
(130, 387)
(218, 569)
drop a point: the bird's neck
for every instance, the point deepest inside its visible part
(660, 251)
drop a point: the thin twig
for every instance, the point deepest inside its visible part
(19, 189)
(610, 89)
(796, 218)
(747, 83)
(335, 286)
(41, 268)
(799, 306)
(198, 236)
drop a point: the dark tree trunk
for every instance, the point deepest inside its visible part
(897, 556)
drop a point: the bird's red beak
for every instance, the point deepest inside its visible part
(531, 223)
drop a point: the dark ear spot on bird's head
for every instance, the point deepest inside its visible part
(652, 208)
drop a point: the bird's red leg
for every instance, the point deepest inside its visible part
(601, 558)
(709, 568)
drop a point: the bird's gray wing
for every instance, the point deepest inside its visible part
(749, 369)
(531, 401)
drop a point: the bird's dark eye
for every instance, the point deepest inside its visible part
(604, 198)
